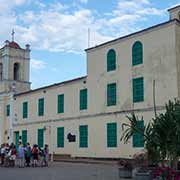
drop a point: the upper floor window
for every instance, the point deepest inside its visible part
(137, 53)
(25, 110)
(16, 71)
(41, 107)
(111, 60)
(111, 94)
(60, 104)
(138, 89)
(8, 110)
(1, 71)
(83, 99)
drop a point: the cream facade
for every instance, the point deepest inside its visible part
(160, 66)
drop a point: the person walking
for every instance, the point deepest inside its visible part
(46, 155)
(21, 155)
(41, 157)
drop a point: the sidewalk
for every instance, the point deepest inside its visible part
(87, 161)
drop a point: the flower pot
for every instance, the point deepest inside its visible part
(143, 176)
(125, 173)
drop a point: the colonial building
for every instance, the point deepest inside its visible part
(83, 117)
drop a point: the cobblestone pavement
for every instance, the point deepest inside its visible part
(62, 171)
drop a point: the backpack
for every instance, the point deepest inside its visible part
(35, 151)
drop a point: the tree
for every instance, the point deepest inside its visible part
(161, 135)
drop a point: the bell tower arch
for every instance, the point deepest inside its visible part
(14, 67)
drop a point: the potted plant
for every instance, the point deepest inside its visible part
(125, 169)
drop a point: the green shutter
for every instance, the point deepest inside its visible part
(8, 110)
(111, 60)
(41, 107)
(83, 99)
(83, 136)
(40, 137)
(60, 103)
(111, 94)
(138, 139)
(25, 110)
(112, 135)
(137, 53)
(24, 137)
(138, 89)
(60, 137)
(17, 139)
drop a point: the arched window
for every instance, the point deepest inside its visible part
(1, 71)
(16, 71)
(137, 53)
(111, 60)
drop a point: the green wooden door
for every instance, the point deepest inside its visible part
(17, 139)
(40, 137)
(60, 137)
(83, 136)
(24, 137)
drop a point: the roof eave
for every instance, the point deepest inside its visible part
(132, 34)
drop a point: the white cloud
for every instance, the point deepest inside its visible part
(142, 7)
(84, 1)
(59, 27)
(6, 6)
(37, 64)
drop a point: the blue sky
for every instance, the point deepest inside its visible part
(57, 30)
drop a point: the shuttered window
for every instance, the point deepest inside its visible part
(41, 107)
(60, 104)
(83, 136)
(112, 135)
(111, 60)
(138, 89)
(138, 139)
(8, 110)
(24, 137)
(83, 99)
(111, 94)
(40, 137)
(25, 110)
(137, 53)
(60, 137)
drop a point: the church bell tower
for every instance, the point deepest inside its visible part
(14, 67)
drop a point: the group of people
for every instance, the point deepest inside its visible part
(24, 155)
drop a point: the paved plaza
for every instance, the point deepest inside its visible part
(62, 171)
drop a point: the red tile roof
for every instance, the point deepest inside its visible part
(14, 45)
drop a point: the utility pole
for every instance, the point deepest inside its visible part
(89, 33)
(154, 98)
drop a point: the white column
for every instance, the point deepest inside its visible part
(10, 132)
(51, 141)
(1, 119)
(6, 63)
